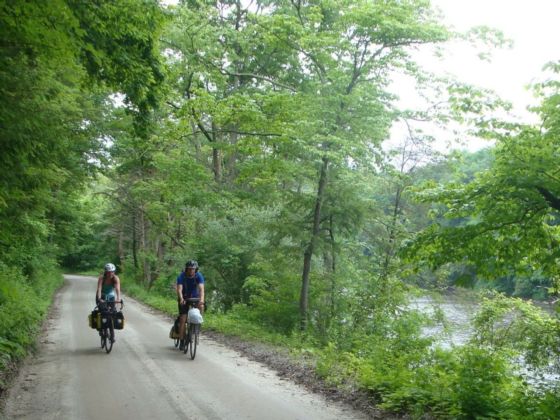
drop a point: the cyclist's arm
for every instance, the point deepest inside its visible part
(180, 293)
(99, 284)
(118, 288)
(201, 294)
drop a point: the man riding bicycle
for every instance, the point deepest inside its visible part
(190, 284)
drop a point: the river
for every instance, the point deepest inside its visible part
(458, 313)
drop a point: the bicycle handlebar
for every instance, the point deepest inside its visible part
(192, 300)
(113, 301)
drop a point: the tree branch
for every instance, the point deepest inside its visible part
(550, 198)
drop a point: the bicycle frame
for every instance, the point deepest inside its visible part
(107, 332)
(190, 340)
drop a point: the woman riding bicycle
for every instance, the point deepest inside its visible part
(108, 284)
(190, 284)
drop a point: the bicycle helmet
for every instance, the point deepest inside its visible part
(110, 267)
(192, 263)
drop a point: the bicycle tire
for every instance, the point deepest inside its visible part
(193, 334)
(111, 338)
(176, 342)
(187, 341)
(103, 339)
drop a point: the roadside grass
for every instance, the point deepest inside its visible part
(24, 303)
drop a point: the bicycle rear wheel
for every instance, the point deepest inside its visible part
(193, 334)
(187, 341)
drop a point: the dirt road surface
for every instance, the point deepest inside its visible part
(145, 377)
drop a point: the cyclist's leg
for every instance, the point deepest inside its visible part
(112, 311)
(102, 330)
(182, 329)
(182, 321)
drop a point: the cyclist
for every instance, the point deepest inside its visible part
(190, 284)
(108, 285)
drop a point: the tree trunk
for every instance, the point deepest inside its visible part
(231, 162)
(216, 157)
(390, 250)
(333, 267)
(144, 249)
(121, 247)
(134, 241)
(308, 254)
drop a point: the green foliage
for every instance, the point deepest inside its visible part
(86, 242)
(484, 383)
(117, 43)
(273, 293)
(23, 305)
(520, 329)
(537, 404)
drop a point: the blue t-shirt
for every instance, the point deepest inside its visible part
(190, 285)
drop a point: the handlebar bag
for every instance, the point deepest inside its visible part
(194, 316)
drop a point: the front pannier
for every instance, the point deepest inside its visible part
(94, 319)
(118, 321)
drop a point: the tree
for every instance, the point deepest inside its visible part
(510, 211)
(52, 102)
(346, 51)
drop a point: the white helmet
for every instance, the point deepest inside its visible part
(110, 267)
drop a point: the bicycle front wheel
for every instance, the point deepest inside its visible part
(110, 334)
(193, 334)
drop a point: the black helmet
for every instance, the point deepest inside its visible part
(192, 263)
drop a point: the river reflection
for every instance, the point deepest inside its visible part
(456, 327)
(458, 313)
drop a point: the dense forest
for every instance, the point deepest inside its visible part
(254, 137)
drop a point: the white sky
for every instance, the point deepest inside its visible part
(533, 27)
